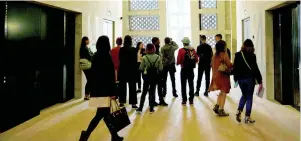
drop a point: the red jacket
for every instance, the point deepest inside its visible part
(115, 57)
(182, 53)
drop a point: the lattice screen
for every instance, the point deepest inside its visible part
(208, 21)
(210, 40)
(144, 23)
(144, 39)
(207, 4)
(144, 4)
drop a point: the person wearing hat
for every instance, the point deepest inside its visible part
(187, 58)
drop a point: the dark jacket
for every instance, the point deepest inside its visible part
(127, 63)
(229, 53)
(102, 76)
(85, 53)
(242, 71)
(204, 52)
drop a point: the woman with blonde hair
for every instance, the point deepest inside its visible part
(221, 67)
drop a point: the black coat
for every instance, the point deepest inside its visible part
(242, 71)
(127, 64)
(204, 51)
(102, 76)
(85, 53)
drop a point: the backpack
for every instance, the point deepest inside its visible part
(152, 72)
(189, 60)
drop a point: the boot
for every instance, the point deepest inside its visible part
(163, 103)
(84, 136)
(249, 120)
(222, 113)
(151, 110)
(215, 109)
(197, 93)
(206, 93)
(238, 116)
(117, 138)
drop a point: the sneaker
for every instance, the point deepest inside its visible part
(151, 110)
(184, 103)
(238, 116)
(163, 103)
(206, 93)
(134, 107)
(139, 111)
(139, 91)
(196, 93)
(222, 113)
(215, 109)
(249, 120)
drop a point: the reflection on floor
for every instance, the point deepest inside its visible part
(64, 122)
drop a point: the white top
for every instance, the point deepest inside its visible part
(139, 56)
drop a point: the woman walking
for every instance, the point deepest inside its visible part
(86, 53)
(140, 53)
(151, 66)
(221, 65)
(102, 85)
(246, 74)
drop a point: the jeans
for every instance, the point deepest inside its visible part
(150, 87)
(187, 75)
(171, 69)
(201, 70)
(247, 88)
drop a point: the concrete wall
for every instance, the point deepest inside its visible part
(262, 30)
(89, 23)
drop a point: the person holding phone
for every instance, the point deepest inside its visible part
(247, 75)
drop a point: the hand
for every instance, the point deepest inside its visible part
(260, 87)
(113, 97)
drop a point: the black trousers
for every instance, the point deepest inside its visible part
(123, 92)
(187, 75)
(171, 69)
(201, 71)
(88, 85)
(100, 114)
(160, 88)
(150, 87)
(138, 75)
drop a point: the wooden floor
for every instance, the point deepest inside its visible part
(64, 122)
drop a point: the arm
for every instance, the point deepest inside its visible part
(235, 68)
(180, 57)
(174, 45)
(160, 64)
(256, 70)
(142, 65)
(227, 61)
(195, 55)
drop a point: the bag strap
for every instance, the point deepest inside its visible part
(245, 60)
(111, 107)
(152, 64)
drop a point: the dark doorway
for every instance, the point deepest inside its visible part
(37, 59)
(287, 54)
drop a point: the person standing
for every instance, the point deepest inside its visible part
(204, 52)
(140, 53)
(115, 56)
(168, 55)
(151, 66)
(187, 58)
(86, 53)
(127, 72)
(102, 85)
(156, 42)
(246, 74)
(219, 37)
(221, 65)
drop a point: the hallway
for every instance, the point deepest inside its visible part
(63, 122)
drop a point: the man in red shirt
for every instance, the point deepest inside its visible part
(187, 58)
(115, 56)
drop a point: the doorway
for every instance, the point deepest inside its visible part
(108, 30)
(246, 29)
(287, 54)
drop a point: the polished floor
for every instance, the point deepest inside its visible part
(63, 122)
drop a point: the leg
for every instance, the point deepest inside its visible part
(207, 77)
(183, 85)
(172, 72)
(152, 91)
(138, 77)
(100, 113)
(122, 91)
(144, 93)
(243, 99)
(221, 111)
(249, 96)
(133, 94)
(191, 86)
(87, 86)
(199, 81)
(164, 75)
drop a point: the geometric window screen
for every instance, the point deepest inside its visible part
(210, 39)
(144, 4)
(207, 4)
(208, 21)
(144, 23)
(144, 39)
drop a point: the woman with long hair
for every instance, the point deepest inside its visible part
(102, 84)
(153, 61)
(127, 72)
(140, 53)
(246, 74)
(86, 53)
(220, 79)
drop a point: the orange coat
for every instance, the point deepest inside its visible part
(220, 81)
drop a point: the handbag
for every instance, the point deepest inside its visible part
(243, 56)
(118, 119)
(85, 64)
(99, 102)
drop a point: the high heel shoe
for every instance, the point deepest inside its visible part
(222, 113)
(238, 116)
(215, 109)
(249, 120)
(117, 138)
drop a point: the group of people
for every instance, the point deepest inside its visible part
(113, 69)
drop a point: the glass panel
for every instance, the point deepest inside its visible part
(208, 21)
(144, 4)
(207, 4)
(144, 39)
(144, 22)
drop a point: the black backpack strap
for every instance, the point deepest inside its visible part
(152, 64)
